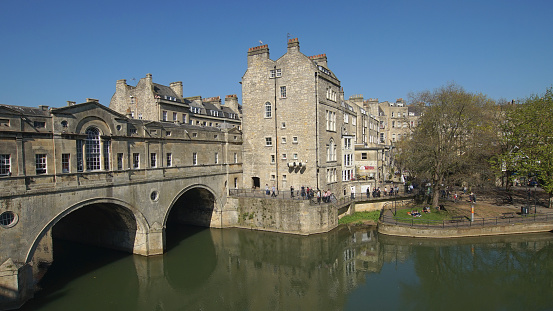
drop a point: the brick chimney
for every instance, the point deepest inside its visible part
(293, 45)
(320, 60)
(258, 53)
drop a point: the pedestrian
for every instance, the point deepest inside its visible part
(318, 196)
(352, 192)
(274, 192)
(267, 192)
(303, 192)
(291, 191)
(368, 192)
(324, 196)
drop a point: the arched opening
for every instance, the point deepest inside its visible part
(81, 241)
(190, 212)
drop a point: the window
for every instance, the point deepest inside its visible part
(347, 143)
(295, 139)
(39, 124)
(92, 149)
(272, 158)
(273, 176)
(331, 175)
(5, 164)
(65, 163)
(216, 157)
(268, 141)
(283, 140)
(282, 92)
(295, 156)
(136, 160)
(284, 178)
(354, 120)
(330, 120)
(5, 122)
(119, 161)
(235, 183)
(107, 146)
(40, 163)
(184, 118)
(164, 116)
(174, 116)
(283, 125)
(235, 157)
(194, 134)
(268, 110)
(80, 164)
(275, 73)
(363, 156)
(346, 118)
(153, 159)
(64, 124)
(194, 158)
(168, 133)
(169, 159)
(284, 156)
(331, 151)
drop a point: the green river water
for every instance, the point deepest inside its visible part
(346, 269)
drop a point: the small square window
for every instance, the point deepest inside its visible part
(268, 141)
(284, 156)
(295, 156)
(295, 139)
(283, 140)
(283, 125)
(168, 133)
(272, 158)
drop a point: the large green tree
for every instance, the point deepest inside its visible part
(528, 139)
(455, 137)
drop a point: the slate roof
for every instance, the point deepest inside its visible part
(27, 111)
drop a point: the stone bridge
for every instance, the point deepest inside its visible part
(124, 210)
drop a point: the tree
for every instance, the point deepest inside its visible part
(528, 133)
(455, 137)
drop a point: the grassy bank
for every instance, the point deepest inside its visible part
(360, 218)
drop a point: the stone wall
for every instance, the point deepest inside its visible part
(285, 216)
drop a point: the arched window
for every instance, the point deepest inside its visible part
(331, 151)
(268, 110)
(92, 149)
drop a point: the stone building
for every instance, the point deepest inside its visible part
(90, 137)
(293, 121)
(152, 101)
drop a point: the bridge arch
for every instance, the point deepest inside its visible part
(194, 205)
(121, 217)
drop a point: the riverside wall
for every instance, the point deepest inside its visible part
(453, 232)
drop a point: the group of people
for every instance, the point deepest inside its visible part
(308, 193)
(376, 193)
(416, 213)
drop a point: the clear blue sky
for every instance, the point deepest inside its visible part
(54, 51)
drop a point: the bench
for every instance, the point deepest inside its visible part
(457, 218)
(508, 215)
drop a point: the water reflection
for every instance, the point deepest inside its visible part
(346, 269)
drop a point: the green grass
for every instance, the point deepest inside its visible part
(401, 215)
(359, 217)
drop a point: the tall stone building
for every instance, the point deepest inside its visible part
(293, 121)
(152, 101)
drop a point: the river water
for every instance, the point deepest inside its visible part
(346, 269)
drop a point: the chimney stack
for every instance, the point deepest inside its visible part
(177, 88)
(293, 45)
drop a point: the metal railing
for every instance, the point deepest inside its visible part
(297, 195)
(464, 221)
